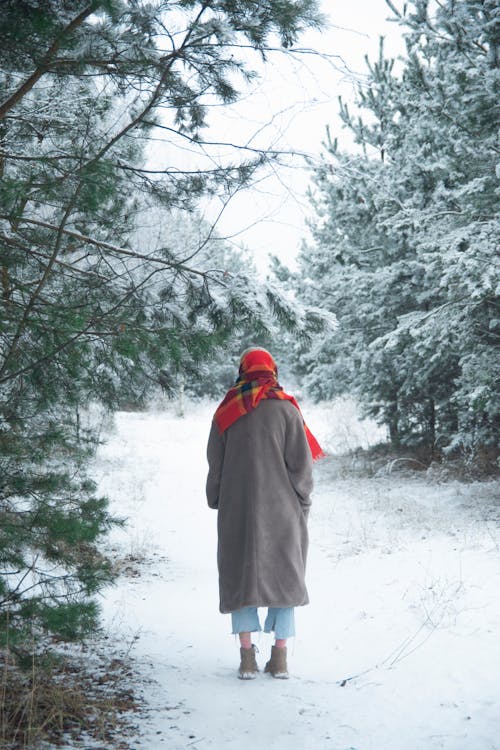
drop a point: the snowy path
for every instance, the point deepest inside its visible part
(403, 578)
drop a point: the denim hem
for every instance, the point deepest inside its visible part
(281, 620)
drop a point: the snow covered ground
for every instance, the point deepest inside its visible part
(399, 648)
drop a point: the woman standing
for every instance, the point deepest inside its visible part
(260, 456)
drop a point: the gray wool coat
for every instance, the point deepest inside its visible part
(260, 480)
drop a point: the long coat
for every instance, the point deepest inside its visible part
(260, 480)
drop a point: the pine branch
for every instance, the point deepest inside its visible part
(16, 97)
(38, 253)
(170, 59)
(95, 319)
(176, 265)
(45, 276)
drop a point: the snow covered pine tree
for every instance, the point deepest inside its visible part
(90, 311)
(405, 247)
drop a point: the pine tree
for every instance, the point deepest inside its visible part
(404, 252)
(92, 309)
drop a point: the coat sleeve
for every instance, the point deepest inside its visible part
(215, 457)
(299, 460)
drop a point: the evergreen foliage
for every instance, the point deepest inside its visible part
(92, 307)
(405, 247)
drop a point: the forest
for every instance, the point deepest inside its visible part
(115, 288)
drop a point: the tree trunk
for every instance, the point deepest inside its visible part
(432, 426)
(393, 424)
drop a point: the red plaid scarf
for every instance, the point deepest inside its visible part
(257, 380)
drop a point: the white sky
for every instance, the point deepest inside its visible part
(289, 109)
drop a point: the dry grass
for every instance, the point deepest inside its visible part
(381, 460)
(65, 699)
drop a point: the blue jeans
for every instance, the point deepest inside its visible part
(281, 620)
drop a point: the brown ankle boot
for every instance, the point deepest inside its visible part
(248, 665)
(276, 665)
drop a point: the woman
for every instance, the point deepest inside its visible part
(260, 456)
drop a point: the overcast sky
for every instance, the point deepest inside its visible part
(289, 109)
